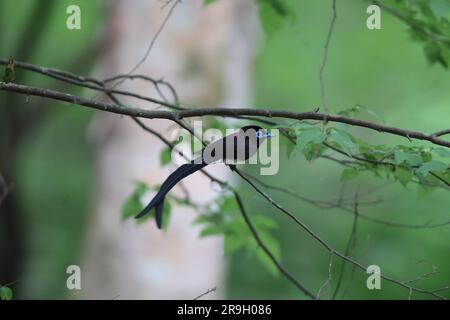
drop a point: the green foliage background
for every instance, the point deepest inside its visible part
(387, 72)
(53, 166)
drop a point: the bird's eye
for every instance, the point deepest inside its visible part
(258, 134)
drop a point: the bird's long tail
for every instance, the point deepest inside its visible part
(176, 176)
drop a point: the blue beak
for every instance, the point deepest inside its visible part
(266, 135)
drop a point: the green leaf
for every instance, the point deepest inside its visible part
(434, 166)
(403, 175)
(181, 201)
(232, 242)
(6, 293)
(272, 14)
(305, 137)
(274, 247)
(165, 156)
(350, 112)
(344, 140)
(411, 159)
(228, 205)
(166, 213)
(288, 144)
(211, 231)
(264, 223)
(348, 174)
(426, 154)
(435, 54)
(372, 152)
(133, 205)
(202, 219)
(443, 152)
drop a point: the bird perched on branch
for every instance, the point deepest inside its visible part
(239, 146)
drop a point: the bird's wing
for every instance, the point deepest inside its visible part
(234, 147)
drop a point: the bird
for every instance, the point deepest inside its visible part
(238, 146)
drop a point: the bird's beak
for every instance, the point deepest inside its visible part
(261, 135)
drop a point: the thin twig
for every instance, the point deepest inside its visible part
(441, 133)
(327, 246)
(328, 281)
(205, 293)
(330, 204)
(152, 42)
(350, 244)
(325, 58)
(255, 234)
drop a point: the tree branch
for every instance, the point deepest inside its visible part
(350, 244)
(343, 205)
(248, 113)
(221, 112)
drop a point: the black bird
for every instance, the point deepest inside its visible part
(238, 146)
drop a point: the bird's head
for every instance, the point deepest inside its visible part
(259, 132)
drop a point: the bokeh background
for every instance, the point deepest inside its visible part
(45, 153)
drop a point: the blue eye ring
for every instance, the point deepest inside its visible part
(259, 134)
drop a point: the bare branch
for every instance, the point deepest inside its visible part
(328, 281)
(441, 133)
(100, 85)
(426, 274)
(156, 84)
(152, 42)
(325, 58)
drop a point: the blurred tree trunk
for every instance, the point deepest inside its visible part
(206, 53)
(17, 119)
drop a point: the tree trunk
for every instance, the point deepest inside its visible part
(206, 53)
